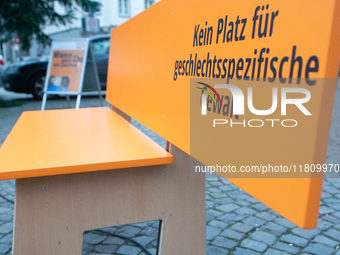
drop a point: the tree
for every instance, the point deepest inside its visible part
(27, 18)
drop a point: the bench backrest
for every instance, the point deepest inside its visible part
(154, 55)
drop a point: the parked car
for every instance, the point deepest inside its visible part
(2, 70)
(29, 76)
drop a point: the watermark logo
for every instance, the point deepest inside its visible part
(239, 100)
(204, 97)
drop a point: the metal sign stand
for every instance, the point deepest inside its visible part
(63, 60)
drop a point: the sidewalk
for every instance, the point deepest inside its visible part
(236, 222)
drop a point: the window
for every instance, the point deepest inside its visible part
(124, 7)
(148, 3)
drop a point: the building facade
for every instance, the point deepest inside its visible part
(88, 23)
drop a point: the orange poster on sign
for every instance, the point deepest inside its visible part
(65, 71)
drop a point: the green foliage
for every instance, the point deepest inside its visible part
(26, 18)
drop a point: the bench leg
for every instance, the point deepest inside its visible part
(51, 213)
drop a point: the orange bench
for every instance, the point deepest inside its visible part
(59, 156)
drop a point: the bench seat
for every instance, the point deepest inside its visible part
(68, 141)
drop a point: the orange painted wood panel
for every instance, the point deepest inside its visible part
(144, 51)
(142, 79)
(67, 141)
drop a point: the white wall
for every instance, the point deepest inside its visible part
(108, 15)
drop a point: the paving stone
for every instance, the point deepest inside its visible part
(322, 224)
(214, 213)
(154, 243)
(338, 253)
(218, 224)
(319, 249)
(337, 214)
(6, 228)
(325, 209)
(337, 226)
(227, 208)
(238, 195)
(7, 239)
(218, 195)
(129, 231)
(254, 221)
(260, 207)
(285, 247)
(225, 181)
(242, 203)
(93, 238)
(275, 252)
(263, 237)
(128, 250)
(143, 240)
(332, 233)
(285, 223)
(224, 201)
(113, 240)
(212, 232)
(6, 217)
(143, 224)
(6, 210)
(254, 245)
(334, 181)
(224, 242)
(331, 200)
(332, 190)
(92, 253)
(274, 228)
(265, 216)
(324, 240)
(225, 188)
(105, 248)
(4, 248)
(245, 211)
(8, 205)
(306, 233)
(216, 183)
(241, 227)
(331, 218)
(273, 212)
(252, 200)
(112, 229)
(213, 250)
(86, 248)
(153, 251)
(325, 194)
(241, 251)
(335, 206)
(232, 234)
(209, 217)
(214, 190)
(294, 240)
(230, 218)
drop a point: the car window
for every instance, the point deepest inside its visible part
(101, 46)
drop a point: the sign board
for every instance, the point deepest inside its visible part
(71, 61)
(268, 67)
(92, 25)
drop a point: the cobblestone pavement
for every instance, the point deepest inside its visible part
(236, 222)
